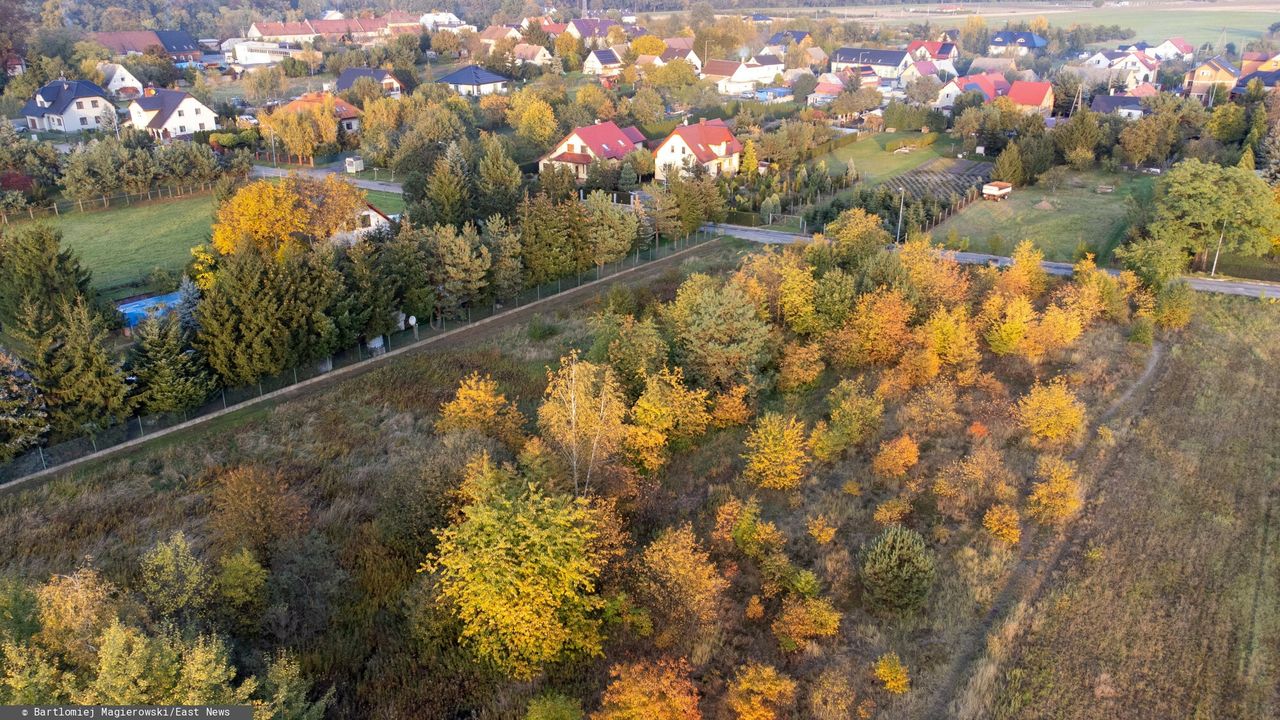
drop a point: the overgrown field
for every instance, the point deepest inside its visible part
(1167, 603)
(931, 437)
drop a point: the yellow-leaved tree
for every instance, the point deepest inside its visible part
(668, 414)
(1056, 497)
(760, 692)
(891, 673)
(271, 215)
(479, 405)
(1051, 414)
(583, 416)
(777, 456)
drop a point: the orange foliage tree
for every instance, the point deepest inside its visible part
(479, 405)
(803, 619)
(660, 690)
(1051, 414)
(271, 215)
(1056, 497)
(760, 692)
(1003, 523)
(890, 671)
(679, 582)
(896, 457)
(876, 333)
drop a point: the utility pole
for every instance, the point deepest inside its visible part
(1221, 235)
(902, 199)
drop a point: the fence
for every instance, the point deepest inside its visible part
(140, 426)
(160, 192)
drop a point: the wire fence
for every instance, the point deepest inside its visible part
(64, 207)
(140, 426)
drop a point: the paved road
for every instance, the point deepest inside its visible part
(268, 171)
(1224, 286)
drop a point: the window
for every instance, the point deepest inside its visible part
(182, 129)
(79, 104)
(84, 121)
(201, 126)
(366, 220)
(181, 112)
(197, 111)
(94, 103)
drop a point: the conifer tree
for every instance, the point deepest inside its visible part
(897, 571)
(610, 230)
(242, 333)
(506, 269)
(83, 384)
(34, 269)
(307, 285)
(461, 264)
(448, 189)
(1009, 165)
(171, 377)
(370, 298)
(403, 263)
(628, 180)
(188, 301)
(497, 181)
(23, 419)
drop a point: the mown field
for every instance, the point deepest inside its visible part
(1166, 600)
(1078, 218)
(875, 164)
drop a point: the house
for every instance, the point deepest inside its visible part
(369, 220)
(783, 38)
(706, 143)
(168, 114)
(117, 80)
(1092, 76)
(591, 32)
(67, 106)
(524, 53)
(816, 57)
(951, 35)
(1270, 80)
(1012, 42)
(364, 31)
(602, 62)
(993, 64)
(177, 44)
(1175, 48)
(13, 64)
(1139, 66)
(824, 93)
(257, 53)
(474, 80)
(1032, 97)
(1252, 62)
(493, 34)
(688, 55)
(772, 95)
(437, 20)
(991, 85)
(390, 85)
(729, 76)
(1201, 81)
(925, 50)
(920, 69)
(678, 43)
(603, 141)
(648, 62)
(1143, 90)
(886, 64)
(1126, 106)
(762, 69)
(348, 115)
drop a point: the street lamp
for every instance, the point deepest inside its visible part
(1221, 234)
(902, 198)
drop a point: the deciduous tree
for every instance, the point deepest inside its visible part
(1051, 414)
(582, 415)
(777, 457)
(658, 690)
(479, 405)
(760, 692)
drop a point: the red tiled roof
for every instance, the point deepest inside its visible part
(679, 43)
(554, 28)
(993, 85)
(1023, 92)
(935, 49)
(281, 29)
(1144, 90)
(342, 109)
(607, 140)
(1182, 45)
(702, 136)
(573, 158)
(720, 68)
(128, 41)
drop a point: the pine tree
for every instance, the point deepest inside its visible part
(1270, 154)
(506, 271)
(23, 419)
(306, 286)
(403, 265)
(610, 231)
(897, 571)
(371, 298)
(171, 377)
(498, 181)
(628, 180)
(242, 333)
(35, 269)
(83, 385)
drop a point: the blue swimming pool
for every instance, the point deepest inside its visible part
(135, 311)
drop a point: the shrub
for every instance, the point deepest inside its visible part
(1002, 522)
(896, 457)
(759, 692)
(897, 571)
(804, 619)
(650, 690)
(1174, 306)
(730, 407)
(776, 457)
(892, 673)
(1056, 497)
(821, 529)
(1051, 414)
(554, 706)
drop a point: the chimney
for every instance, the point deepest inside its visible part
(702, 121)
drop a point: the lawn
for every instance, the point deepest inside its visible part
(875, 164)
(1079, 218)
(121, 246)
(388, 202)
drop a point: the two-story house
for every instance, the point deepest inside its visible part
(67, 106)
(168, 114)
(708, 143)
(603, 141)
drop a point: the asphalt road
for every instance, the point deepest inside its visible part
(320, 173)
(1224, 286)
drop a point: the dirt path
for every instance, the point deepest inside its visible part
(479, 331)
(1028, 579)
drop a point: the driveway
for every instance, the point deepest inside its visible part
(1224, 286)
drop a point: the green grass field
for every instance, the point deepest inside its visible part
(1079, 215)
(875, 164)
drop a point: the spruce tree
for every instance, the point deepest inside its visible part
(402, 266)
(242, 333)
(1009, 165)
(461, 263)
(506, 272)
(84, 385)
(371, 298)
(1269, 154)
(171, 376)
(627, 178)
(307, 285)
(188, 301)
(35, 269)
(448, 198)
(23, 419)
(498, 181)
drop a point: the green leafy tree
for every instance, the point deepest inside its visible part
(170, 376)
(1197, 203)
(518, 570)
(611, 231)
(285, 692)
(897, 571)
